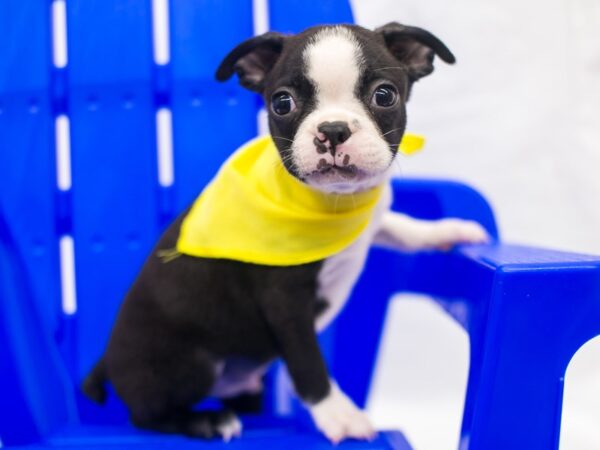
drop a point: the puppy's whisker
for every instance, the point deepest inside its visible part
(284, 159)
(400, 170)
(282, 138)
(389, 67)
(280, 167)
(391, 131)
(279, 164)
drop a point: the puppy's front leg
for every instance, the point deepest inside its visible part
(402, 232)
(291, 319)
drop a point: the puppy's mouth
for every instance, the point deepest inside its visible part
(347, 171)
(335, 178)
(339, 167)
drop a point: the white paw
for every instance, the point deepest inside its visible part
(230, 428)
(449, 232)
(338, 418)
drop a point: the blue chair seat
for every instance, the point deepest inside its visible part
(288, 436)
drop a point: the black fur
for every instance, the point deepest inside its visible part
(245, 403)
(252, 60)
(182, 317)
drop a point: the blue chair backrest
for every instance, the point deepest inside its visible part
(112, 205)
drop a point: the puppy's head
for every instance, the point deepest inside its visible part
(336, 96)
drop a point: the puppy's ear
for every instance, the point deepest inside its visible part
(414, 47)
(252, 60)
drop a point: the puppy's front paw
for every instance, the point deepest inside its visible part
(339, 418)
(449, 232)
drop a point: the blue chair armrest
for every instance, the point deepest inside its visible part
(508, 257)
(465, 273)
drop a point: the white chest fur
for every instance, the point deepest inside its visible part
(340, 271)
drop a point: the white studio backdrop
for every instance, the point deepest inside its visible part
(518, 117)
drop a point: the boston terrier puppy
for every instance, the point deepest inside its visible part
(193, 327)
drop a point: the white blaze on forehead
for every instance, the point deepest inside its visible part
(333, 59)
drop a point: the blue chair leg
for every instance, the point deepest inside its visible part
(537, 319)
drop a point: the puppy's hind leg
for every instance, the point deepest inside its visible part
(245, 403)
(161, 398)
(240, 385)
(200, 424)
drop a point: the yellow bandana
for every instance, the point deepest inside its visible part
(255, 211)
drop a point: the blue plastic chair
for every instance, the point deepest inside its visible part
(527, 311)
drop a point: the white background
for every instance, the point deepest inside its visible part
(518, 117)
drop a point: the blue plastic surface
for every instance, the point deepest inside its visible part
(258, 435)
(527, 310)
(210, 119)
(33, 389)
(27, 167)
(293, 16)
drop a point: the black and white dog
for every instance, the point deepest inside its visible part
(199, 327)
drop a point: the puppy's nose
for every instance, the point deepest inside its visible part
(335, 132)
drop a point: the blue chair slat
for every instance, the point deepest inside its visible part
(27, 156)
(35, 389)
(293, 16)
(25, 54)
(30, 308)
(210, 119)
(114, 194)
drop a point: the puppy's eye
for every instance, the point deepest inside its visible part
(385, 96)
(282, 103)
